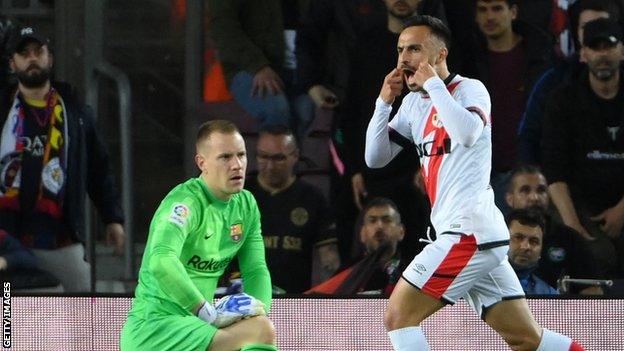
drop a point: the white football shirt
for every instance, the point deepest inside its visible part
(451, 129)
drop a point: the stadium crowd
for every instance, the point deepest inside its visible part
(553, 72)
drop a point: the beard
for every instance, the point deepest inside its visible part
(35, 79)
(603, 70)
(400, 14)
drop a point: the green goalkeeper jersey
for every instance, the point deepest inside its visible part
(192, 239)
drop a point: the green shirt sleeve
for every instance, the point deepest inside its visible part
(252, 261)
(168, 231)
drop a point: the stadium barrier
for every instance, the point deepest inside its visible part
(323, 324)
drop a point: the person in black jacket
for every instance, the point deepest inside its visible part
(296, 222)
(256, 43)
(583, 147)
(50, 157)
(510, 56)
(344, 49)
(530, 130)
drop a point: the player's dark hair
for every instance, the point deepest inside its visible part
(358, 247)
(279, 130)
(574, 14)
(523, 169)
(215, 126)
(532, 217)
(381, 202)
(276, 130)
(437, 27)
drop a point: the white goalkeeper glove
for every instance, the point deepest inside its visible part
(207, 313)
(232, 308)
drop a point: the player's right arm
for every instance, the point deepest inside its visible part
(174, 220)
(380, 150)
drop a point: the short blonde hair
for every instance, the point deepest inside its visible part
(215, 126)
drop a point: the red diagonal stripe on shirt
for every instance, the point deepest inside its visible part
(435, 161)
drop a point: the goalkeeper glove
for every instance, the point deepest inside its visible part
(232, 308)
(207, 313)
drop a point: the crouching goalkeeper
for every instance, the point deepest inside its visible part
(200, 226)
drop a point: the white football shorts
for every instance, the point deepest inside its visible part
(454, 267)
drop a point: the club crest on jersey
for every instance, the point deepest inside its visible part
(299, 216)
(179, 214)
(435, 120)
(236, 231)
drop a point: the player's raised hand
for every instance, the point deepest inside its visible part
(424, 72)
(392, 86)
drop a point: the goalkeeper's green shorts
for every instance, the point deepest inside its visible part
(170, 332)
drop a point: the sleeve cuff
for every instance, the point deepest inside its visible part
(432, 83)
(381, 104)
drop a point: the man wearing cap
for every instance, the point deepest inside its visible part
(50, 157)
(583, 147)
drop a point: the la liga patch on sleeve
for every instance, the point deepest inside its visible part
(179, 214)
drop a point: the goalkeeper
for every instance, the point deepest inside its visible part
(199, 227)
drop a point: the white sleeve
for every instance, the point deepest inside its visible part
(379, 150)
(465, 116)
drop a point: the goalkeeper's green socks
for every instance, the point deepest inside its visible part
(259, 347)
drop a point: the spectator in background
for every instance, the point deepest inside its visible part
(530, 131)
(295, 216)
(6, 29)
(19, 266)
(461, 58)
(526, 231)
(563, 250)
(13, 255)
(255, 42)
(583, 147)
(344, 49)
(379, 230)
(51, 157)
(511, 55)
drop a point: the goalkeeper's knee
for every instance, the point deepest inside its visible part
(261, 331)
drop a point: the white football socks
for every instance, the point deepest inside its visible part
(408, 339)
(552, 341)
